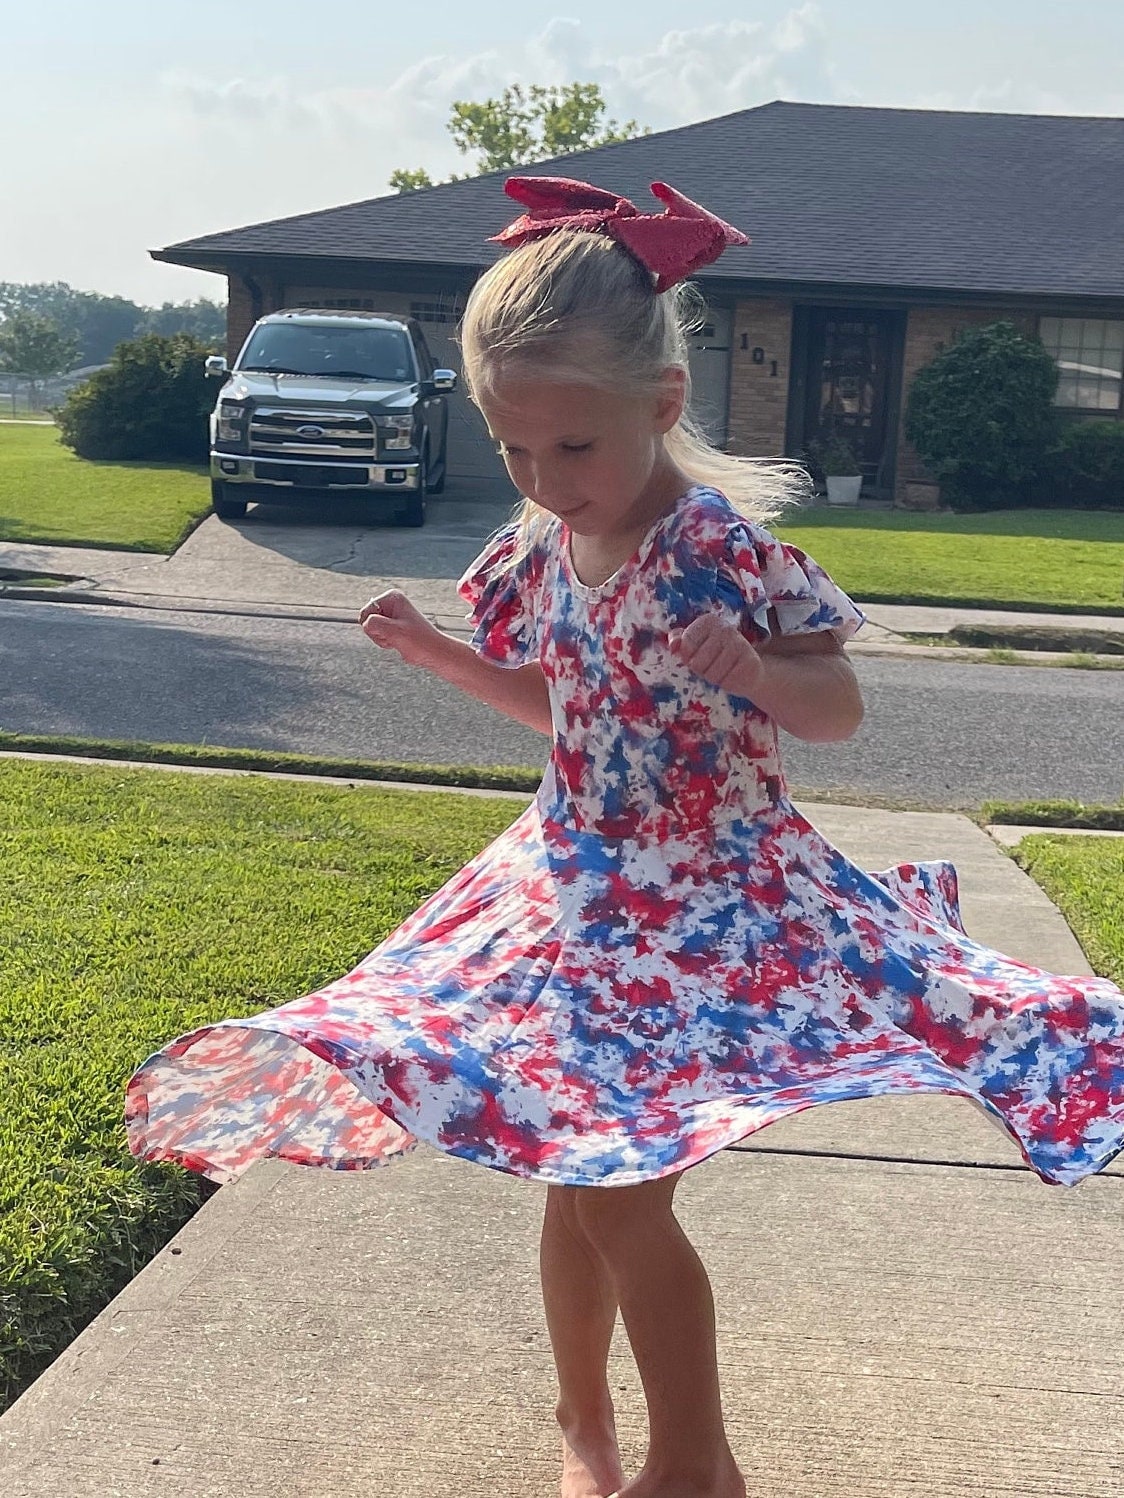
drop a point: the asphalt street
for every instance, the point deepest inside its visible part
(943, 733)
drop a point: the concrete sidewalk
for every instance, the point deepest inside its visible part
(904, 1311)
(265, 565)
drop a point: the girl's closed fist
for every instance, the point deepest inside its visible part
(392, 622)
(718, 651)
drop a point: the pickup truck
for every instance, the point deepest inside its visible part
(324, 402)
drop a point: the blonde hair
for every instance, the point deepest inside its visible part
(575, 307)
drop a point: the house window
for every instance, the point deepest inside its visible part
(1090, 357)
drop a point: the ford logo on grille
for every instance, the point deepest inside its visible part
(310, 431)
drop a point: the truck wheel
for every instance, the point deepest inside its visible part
(225, 509)
(414, 512)
(437, 485)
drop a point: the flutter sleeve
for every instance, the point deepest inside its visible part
(501, 593)
(754, 571)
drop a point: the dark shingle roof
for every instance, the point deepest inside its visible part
(829, 194)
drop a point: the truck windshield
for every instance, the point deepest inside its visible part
(340, 352)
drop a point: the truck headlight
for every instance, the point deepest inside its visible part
(232, 417)
(397, 431)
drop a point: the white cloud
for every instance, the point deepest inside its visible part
(683, 77)
(240, 99)
(798, 28)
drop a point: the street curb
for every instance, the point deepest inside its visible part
(178, 604)
(169, 603)
(978, 654)
(1007, 834)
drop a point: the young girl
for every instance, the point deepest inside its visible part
(661, 955)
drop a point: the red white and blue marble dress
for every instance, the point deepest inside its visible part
(661, 955)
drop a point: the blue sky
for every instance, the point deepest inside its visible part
(126, 126)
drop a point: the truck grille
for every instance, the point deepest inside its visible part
(308, 477)
(281, 431)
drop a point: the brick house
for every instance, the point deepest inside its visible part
(877, 234)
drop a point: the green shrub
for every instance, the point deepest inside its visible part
(982, 417)
(150, 402)
(1085, 470)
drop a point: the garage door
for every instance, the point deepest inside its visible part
(709, 352)
(472, 453)
(471, 450)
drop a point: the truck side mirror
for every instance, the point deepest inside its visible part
(444, 381)
(215, 365)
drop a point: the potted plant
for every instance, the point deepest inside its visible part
(842, 470)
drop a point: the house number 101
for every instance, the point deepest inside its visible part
(758, 356)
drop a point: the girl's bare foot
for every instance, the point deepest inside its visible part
(728, 1482)
(591, 1463)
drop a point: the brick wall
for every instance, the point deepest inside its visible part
(759, 391)
(240, 316)
(928, 331)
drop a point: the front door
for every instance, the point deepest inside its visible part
(850, 351)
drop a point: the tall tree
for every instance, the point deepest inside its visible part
(405, 179)
(101, 322)
(35, 348)
(525, 125)
(202, 318)
(98, 322)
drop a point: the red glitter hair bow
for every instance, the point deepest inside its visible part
(671, 244)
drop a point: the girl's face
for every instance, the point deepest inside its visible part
(594, 459)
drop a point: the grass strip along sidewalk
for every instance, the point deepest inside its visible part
(491, 777)
(1096, 818)
(140, 903)
(1084, 877)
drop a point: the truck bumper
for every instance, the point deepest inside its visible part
(295, 473)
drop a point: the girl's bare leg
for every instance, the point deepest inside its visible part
(668, 1310)
(581, 1309)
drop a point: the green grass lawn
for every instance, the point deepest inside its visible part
(1084, 876)
(49, 495)
(137, 904)
(1055, 559)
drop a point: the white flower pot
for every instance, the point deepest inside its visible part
(843, 489)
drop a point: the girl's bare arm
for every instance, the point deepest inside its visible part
(804, 682)
(393, 623)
